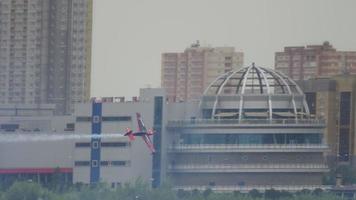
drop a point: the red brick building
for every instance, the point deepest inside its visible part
(302, 63)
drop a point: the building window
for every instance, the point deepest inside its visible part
(94, 163)
(345, 108)
(95, 144)
(113, 185)
(83, 119)
(120, 163)
(116, 118)
(104, 163)
(344, 144)
(81, 163)
(82, 144)
(114, 144)
(344, 129)
(70, 127)
(96, 119)
(9, 127)
(311, 101)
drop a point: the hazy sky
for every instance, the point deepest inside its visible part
(130, 35)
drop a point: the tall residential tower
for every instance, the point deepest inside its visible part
(186, 75)
(302, 63)
(45, 52)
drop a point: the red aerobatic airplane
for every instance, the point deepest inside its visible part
(143, 132)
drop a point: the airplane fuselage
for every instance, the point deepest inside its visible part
(140, 133)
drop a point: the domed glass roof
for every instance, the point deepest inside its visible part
(252, 80)
(254, 92)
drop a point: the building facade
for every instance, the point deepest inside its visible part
(252, 129)
(302, 63)
(185, 75)
(334, 100)
(88, 147)
(45, 52)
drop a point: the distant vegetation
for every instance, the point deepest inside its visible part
(141, 191)
(346, 172)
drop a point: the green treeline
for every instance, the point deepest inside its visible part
(141, 191)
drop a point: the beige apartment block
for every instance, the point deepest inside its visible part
(334, 100)
(185, 75)
(45, 52)
(302, 63)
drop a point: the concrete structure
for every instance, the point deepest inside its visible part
(45, 52)
(30, 118)
(302, 63)
(84, 148)
(334, 100)
(186, 75)
(252, 129)
(133, 158)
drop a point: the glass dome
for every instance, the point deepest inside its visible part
(259, 92)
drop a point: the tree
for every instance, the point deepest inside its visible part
(207, 192)
(272, 194)
(24, 191)
(182, 194)
(285, 194)
(236, 193)
(348, 174)
(317, 192)
(164, 192)
(303, 192)
(255, 194)
(195, 192)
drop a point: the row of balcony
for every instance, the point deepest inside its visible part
(244, 122)
(192, 148)
(261, 188)
(239, 168)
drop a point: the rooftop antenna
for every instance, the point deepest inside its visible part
(197, 44)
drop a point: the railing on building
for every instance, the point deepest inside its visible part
(247, 167)
(182, 123)
(241, 147)
(261, 188)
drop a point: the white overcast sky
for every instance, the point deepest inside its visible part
(130, 35)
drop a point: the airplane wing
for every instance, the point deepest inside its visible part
(149, 143)
(141, 125)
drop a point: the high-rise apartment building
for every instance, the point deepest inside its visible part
(302, 63)
(45, 52)
(186, 75)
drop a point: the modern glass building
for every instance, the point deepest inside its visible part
(253, 130)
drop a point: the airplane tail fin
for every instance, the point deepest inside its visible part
(150, 131)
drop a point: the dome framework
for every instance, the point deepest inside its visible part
(270, 90)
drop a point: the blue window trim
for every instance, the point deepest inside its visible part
(95, 150)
